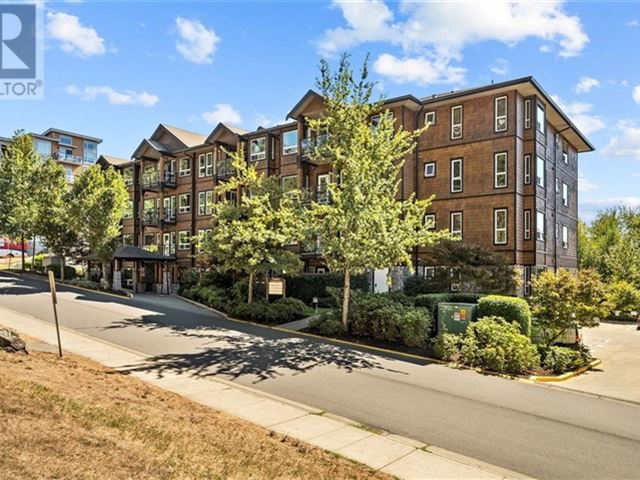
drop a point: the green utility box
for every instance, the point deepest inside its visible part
(456, 316)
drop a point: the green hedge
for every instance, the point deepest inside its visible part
(513, 309)
(69, 272)
(308, 285)
(430, 301)
(563, 359)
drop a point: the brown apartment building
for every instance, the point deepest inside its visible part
(501, 160)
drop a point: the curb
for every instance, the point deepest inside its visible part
(565, 376)
(125, 295)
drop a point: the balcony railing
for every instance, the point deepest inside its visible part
(224, 168)
(150, 218)
(169, 179)
(319, 195)
(310, 145)
(63, 157)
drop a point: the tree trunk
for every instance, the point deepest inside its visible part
(345, 296)
(250, 296)
(61, 268)
(22, 250)
(266, 287)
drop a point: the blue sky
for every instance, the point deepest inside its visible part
(116, 69)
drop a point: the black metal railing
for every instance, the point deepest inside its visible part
(318, 195)
(308, 145)
(224, 168)
(150, 181)
(150, 217)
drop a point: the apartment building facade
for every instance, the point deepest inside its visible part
(501, 160)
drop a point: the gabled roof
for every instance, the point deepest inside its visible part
(303, 102)
(223, 128)
(153, 144)
(187, 137)
(114, 161)
(79, 135)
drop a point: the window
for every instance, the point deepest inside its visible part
(43, 147)
(500, 226)
(557, 230)
(127, 175)
(183, 240)
(169, 243)
(90, 152)
(527, 224)
(205, 202)
(430, 169)
(184, 203)
(375, 120)
(527, 114)
(565, 194)
(128, 209)
(456, 175)
(540, 171)
(290, 142)
(455, 226)
(527, 169)
(65, 140)
(258, 149)
(68, 173)
(565, 153)
(184, 167)
(149, 239)
(540, 228)
(456, 122)
(430, 118)
(500, 170)
(289, 183)
(500, 114)
(540, 124)
(209, 163)
(557, 185)
(565, 237)
(429, 272)
(202, 167)
(430, 221)
(127, 239)
(203, 236)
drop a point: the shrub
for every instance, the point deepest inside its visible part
(400, 297)
(79, 282)
(416, 285)
(284, 310)
(563, 359)
(308, 285)
(254, 312)
(240, 290)
(212, 297)
(446, 345)
(327, 325)
(512, 309)
(623, 296)
(69, 272)
(495, 344)
(214, 278)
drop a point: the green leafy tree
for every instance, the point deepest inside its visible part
(19, 189)
(98, 201)
(55, 224)
(564, 300)
(364, 225)
(253, 235)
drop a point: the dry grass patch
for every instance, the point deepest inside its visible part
(72, 418)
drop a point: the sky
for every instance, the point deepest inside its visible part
(115, 70)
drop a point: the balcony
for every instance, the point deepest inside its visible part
(312, 145)
(169, 217)
(224, 169)
(169, 179)
(150, 218)
(319, 195)
(150, 182)
(63, 157)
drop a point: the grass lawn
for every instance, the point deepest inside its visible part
(72, 418)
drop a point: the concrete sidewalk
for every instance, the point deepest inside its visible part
(393, 454)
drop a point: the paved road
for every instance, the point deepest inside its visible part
(538, 431)
(618, 346)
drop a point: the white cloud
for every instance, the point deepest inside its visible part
(419, 70)
(500, 67)
(437, 32)
(197, 43)
(633, 23)
(127, 97)
(586, 185)
(74, 37)
(222, 112)
(626, 143)
(636, 94)
(579, 113)
(589, 208)
(586, 84)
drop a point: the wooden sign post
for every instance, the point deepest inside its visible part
(54, 300)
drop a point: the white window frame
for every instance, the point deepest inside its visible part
(61, 142)
(557, 230)
(430, 118)
(541, 125)
(426, 169)
(287, 177)
(187, 208)
(541, 173)
(565, 237)
(527, 224)
(202, 167)
(497, 174)
(202, 234)
(205, 206)
(429, 272)
(127, 181)
(182, 245)
(497, 117)
(169, 243)
(527, 113)
(527, 169)
(291, 149)
(430, 217)
(565, 194)
(541, 227)
(455, 161)
(453, 215)
(255, 157)
(497, 231)
(565, 153)
(454, 125)
(184, 172)
(209, 164)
